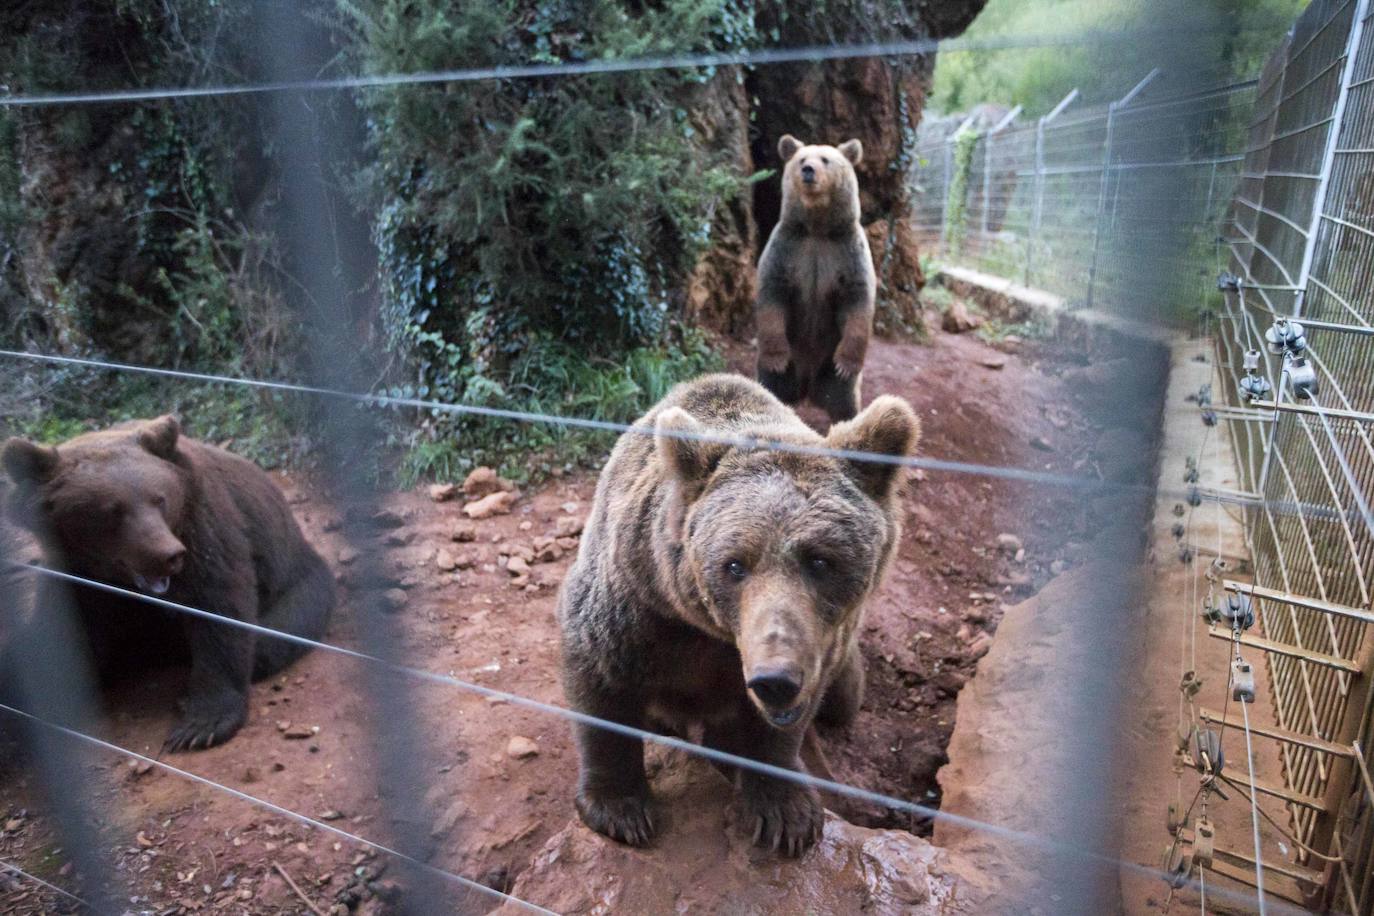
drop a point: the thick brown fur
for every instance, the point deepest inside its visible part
(706, 568)
(141, 507)
(816, 285)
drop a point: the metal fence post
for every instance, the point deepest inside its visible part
(1333, 136)
(1038, 205)
(1112, 109)
(987, 161)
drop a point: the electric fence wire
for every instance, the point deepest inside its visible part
(1021, 837)
(764, 56)
(1254, 810)
(15, 869)
(277, 809)
(1021, 475)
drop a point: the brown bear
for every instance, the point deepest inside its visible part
(725, 585)
(816, 285)
(141, 507)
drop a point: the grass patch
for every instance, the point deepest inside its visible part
(552, 378)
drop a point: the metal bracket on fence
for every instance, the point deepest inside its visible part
(1112, 109)
(1039, 203)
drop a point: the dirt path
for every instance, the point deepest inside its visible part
(185, 848)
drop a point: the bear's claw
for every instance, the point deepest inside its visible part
(626, 818)
(200, 732)
(788, 820)
(774, 353)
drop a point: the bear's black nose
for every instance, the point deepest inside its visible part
(808, 174)
(777, 689)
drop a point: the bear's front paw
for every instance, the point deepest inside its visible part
(203, 727)
(774, 352)
(787, 818)
(849, 357)
(626, 818)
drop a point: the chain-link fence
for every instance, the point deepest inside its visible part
(1084, 203)
(1178, 188)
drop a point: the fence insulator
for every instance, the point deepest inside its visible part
(1208, 757)
(1189, 686)
(1204, 842)
(1177, 866)
(1238, 610)
(1242, 681)
(1255, 387)
(1302, 377)
(1286, 336)
(1228, 282)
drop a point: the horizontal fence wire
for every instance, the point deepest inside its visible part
(1004, 472)
(1019, 837)
(745, 58)
(467, 883)
(16, 870)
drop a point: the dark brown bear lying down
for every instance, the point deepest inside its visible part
(144, 508)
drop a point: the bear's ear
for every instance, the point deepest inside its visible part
(27, 462)
(852, 150)
(887, 428)
(787, 147)
(679, 439)
(160, 436)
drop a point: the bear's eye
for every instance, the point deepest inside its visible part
(736, 569)
(825, 161)
(160, 502)
(818, 565)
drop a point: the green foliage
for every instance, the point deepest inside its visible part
(964, 145)
(534, 235)
(553, 378)
(1196, 42)
(265, 428)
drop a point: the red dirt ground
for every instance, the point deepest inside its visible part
(181, 847)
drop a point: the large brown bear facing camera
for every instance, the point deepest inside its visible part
(816, 285)
(725, 586)
(141, 507)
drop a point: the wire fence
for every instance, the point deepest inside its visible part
(1054, 204)
(1299, 236)
(1269, 180)
(55, 722)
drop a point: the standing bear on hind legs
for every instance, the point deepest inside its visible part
(816, 283)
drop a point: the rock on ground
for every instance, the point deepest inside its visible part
(1033, 748)
(703, 860)
(957, 318)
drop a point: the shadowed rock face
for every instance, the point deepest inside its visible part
(706, 862)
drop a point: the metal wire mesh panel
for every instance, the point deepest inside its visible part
(1301, 234)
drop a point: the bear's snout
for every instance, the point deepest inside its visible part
(776, 688)
(174, 560)
(808, 174)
